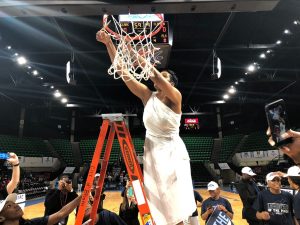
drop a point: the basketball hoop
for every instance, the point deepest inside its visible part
(134, 39)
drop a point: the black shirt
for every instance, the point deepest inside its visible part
(130, 214)
(3, 194)
(248, 192)
(36, 221)
(56, 199)
(198, 198)
(297, 206)
(109, 218)
(279, 206)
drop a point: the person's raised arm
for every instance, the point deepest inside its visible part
(64, 212)
(161, 82)
(137, 88)
(15, 178)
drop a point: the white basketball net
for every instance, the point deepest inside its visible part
(130, 46)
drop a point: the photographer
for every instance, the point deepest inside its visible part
(15, 177)
(58, 198)
(292, 149)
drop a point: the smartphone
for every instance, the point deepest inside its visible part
(278, 121)
(130, 192)
(4, 155)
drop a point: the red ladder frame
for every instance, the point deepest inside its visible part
(117, 126)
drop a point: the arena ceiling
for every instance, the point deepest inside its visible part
(48, 34)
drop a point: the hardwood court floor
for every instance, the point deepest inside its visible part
(113, 200)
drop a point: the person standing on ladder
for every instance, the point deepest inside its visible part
(167, 173)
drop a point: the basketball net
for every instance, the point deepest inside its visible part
(131, 45)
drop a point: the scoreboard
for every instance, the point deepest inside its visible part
(162, 37)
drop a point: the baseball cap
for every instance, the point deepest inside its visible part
(11, 198)
(248, 170)
(271, 176)
(212, 186)
(293, 171)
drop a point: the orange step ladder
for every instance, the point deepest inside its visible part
(117, 126)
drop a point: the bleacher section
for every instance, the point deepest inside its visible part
(87, 148)
(64, 149)
(199, 148)
(199, 172)
(30, 147)
(257, 141)
(228, 145)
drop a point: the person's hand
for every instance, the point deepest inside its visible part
(13, 159)
(210, 210)
(102, 36)
(91, 198)
(133, 200)
(263, 215)
(280, 174)
(222, 208)
(292, 149)
(61, 185)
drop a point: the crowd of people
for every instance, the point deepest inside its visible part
(167, 173)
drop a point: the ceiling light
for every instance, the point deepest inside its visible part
(21, 60)
(251, 68)
(28, 67)
(269, 51)
(42, 78)
(8, 47)
(236, 83)
(57, 94)
(278, 42)
(287, 31)
(64, 100)
(52, 87)
(232, 90)
(262, 56)
(220, 102)
(296, 22)
(35, 72)
(226, 96)
(16, 54)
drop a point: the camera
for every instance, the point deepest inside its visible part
(68, 181)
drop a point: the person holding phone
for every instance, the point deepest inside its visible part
(215, 201)
(292, 149)
(13, 160)
(128, 210)
(279, 132)
(56, 199)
